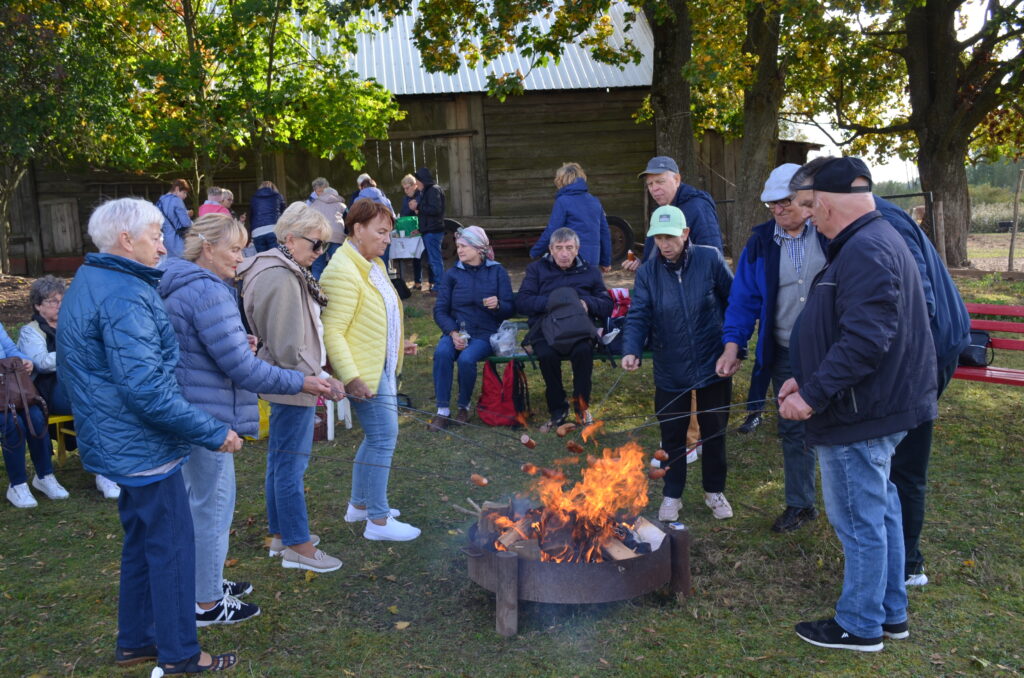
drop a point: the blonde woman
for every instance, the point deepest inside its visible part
(576, 209)
(283, 302)
(363, 332)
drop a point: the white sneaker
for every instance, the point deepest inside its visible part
(320, 562)
(668, 512)
(108, 487)
(49, 486)
(691, 456)
(718, 504)
(392, 530)
(21, 496)
(354, 515)
(912, 580)
(277, 546)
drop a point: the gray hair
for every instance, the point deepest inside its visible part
(124, 215)
(408, 180)
(225, 194)
(214, 193)
(44, 288)
(302, 220)
(320, 182)
(565, 234)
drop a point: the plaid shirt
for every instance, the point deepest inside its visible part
(795, 246)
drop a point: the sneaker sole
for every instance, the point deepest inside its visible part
(877, 647)
(374, 537)
(291, 565)
(201, 624)
(896, 636)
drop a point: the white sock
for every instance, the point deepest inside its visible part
(444, 411)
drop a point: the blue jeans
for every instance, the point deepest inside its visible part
(445, 356)
(864, 509)
(797, 457)
(321, 262)
(262, 243)
(156, 604)
(432, 245)
(210, 479)
(379, 418)
(288, 448)
(14, 431)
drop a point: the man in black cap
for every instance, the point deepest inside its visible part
(865, 374)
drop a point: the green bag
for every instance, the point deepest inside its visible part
(406, 225)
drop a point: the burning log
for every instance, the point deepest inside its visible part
(521, 530)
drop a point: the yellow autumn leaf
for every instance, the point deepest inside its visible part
(310, 576)
(393, 609)
(402, 625)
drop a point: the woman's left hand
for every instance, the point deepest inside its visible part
(26, 366)
(254, 341)
(411, 348)
(490, 302)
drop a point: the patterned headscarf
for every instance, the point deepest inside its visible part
(475, 237)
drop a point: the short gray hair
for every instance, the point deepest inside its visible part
(124, 215)
(565, 234)
(214, 193)
(44, 288)
(302, 220)
(320, 182)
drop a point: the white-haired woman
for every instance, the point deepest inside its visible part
(219, 374)
(283, 302)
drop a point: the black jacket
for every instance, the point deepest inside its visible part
(862, 349)
(430, 203)
(544, 275)
(265, 206)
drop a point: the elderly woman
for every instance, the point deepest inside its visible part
(219, 374)
(409, 194)
(329, 204)
(475, 296)
(38, 341)
(116, 355)
(283, 302)
(363, 332)
(577, 209)
(680, 299)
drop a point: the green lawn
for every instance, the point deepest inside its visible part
(59, 562)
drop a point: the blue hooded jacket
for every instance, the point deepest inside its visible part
(701, 219)
(217, 371)
(116, 354)
(176, 222)
(265, 206)
(577, 209)
(458, 299)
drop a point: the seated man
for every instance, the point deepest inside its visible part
(560, 268)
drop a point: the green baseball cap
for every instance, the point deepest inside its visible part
(667, 220)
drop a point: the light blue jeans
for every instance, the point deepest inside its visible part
(445, 358)
(288, 448)
(379, 418)
(864, 509)
(798, 460)
(210, 480)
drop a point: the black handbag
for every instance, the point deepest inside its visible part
(979, 353)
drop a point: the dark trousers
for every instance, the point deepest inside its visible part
(158, 570)
(909, 473)
(14, 433)
(581, 357)
(673, 408)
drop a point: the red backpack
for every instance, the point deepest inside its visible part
(504, 401)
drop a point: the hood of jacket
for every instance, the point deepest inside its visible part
(686, 192)
(424, 175)
(264, 192)
(329, 196)
(179, 272)
(577, 187)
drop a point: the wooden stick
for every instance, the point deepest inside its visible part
(460, 509)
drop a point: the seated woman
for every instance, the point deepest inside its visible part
(14, 429)
(474, 297)
(38, 341)
(680, 299)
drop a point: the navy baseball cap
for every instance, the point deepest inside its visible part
(659, 165)
(834, 175)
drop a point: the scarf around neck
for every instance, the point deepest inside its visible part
(312, 284)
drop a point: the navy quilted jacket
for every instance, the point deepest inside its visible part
(459, 299)
(216, 371)
(116, 354)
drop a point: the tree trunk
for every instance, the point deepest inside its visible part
(670, 91)
(944, 174)
(11, 176)
(762, 100)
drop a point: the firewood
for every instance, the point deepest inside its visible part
(528, 549)
(616, 550)
(516, 533)
(647, 531)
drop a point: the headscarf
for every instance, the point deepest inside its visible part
(475, 237)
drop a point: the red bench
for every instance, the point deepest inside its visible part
(991, 374)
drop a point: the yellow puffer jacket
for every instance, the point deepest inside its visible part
(355, 321)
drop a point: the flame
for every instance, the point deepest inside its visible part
(591, 430)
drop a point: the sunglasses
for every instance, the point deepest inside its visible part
(318, 245)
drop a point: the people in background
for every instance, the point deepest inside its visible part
(409, 193)
(283, 303)
(474, 298)
(679, 300)
(429, 206)
(219, 374)
(176, 217)
(38, 341)
(214, 202)
(363, 331)
(116, 353)
(577, 209)
(329, 204)
(265, 207)
(318, 185)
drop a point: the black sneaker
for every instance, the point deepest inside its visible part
(794, 518)
(896, 631)
(752, 421)
(229, 610)
(556, 420)
(827, 633)
(237, 589)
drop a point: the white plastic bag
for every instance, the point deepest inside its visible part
(503, 342)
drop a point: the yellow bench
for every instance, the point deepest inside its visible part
(60, 420)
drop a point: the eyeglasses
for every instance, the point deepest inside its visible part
(52, 301)
(318, 245)
(784, 203)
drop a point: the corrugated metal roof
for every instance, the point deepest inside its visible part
(391, 58)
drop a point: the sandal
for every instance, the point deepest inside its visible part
(220, 662)
(123, 657)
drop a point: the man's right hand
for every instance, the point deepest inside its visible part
(231, 444)
(316, 386)
(631, 266)
(630, 363)
(728, 363)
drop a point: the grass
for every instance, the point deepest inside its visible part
(59, 562)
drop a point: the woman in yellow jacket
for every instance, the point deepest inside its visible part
(363, 333)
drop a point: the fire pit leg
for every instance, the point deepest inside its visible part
(680, 537)
(506, 603)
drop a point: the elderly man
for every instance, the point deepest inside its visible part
(864, 368)
(176, 218)
(562, 268)
(318, 186)
(117, 353)
(772, 281)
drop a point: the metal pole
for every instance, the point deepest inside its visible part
(940, 230)
(1016, 218)
(506, 597)
(680, 543)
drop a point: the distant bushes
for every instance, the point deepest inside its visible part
(985, 217)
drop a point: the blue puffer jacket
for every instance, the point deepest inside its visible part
(176, 222)
(950, 322)
(458, 299)
(701, 218)
(544, 276)
(575, 208)
(265, 206)
(217, 372)
(116, 354)
(683, 313)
